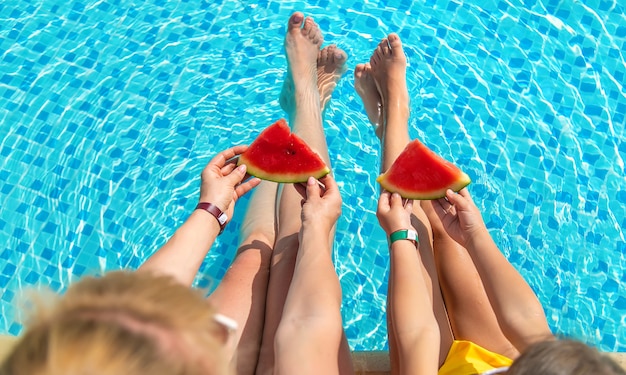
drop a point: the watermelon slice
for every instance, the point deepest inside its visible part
(281, 156)
(419, 173)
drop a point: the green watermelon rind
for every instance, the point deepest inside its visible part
(287, 178)
(461, 182)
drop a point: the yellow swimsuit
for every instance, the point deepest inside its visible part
(467, 358)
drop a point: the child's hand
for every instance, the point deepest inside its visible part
(394, 213)
(459, 215)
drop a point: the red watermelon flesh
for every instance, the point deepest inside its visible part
(281, 156)
(419, 173)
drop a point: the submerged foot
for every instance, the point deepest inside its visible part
(365, 86)
(388, 64)
(330, 67)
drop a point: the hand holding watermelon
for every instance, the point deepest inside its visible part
(460, 217)
(392, 213)
(321, 206)
(222, 180)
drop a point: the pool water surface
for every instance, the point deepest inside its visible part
(110, 109)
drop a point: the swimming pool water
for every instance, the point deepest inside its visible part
(110, 109)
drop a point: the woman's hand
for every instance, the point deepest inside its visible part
(321, 204)
(394, 213)
(459, 215)
(222, 181)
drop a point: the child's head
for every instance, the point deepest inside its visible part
(122, 323)
(564, 357)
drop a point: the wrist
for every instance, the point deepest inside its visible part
(315, 228)
(403, 235)
(213, 210)
(477, 238)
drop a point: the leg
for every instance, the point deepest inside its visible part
(309, 336)
(387, 66)
(471, 315)
(302, 96)
(241, 294)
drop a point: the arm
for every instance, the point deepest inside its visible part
(412, 320)
(516, 306)
(222, 185)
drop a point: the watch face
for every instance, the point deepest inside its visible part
(222, 219)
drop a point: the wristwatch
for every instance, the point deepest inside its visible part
(404, 234)
(221, 217)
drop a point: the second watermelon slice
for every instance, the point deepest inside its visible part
(419, 173)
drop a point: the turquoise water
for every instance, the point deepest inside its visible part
(111, 109)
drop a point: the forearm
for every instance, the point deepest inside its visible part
(411, 309)
(516, 306)
(183, 254)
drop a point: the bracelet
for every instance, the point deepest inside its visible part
(221, 217)
(404, 234)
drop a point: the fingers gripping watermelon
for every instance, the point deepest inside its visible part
(281, 156)
(419, 173)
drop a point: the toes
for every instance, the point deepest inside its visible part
(375, 58)
(323, 55)
(295, 21)
(312, 31)
(359, 70)
(308, 26)
(340, 56)
(330, 52)
(394, 43)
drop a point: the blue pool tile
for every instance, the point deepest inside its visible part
(32, 277)
(9, 269)
(610, 286)
(15, 329)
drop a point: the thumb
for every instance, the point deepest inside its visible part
(312, 188)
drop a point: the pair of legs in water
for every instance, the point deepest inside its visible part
(478, 297)
(286, 297)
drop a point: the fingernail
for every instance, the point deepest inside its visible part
(310, 181)
(242, 168)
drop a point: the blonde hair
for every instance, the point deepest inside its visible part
(122, 323)
(563, 357)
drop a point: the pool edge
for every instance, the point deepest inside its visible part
(365, 362)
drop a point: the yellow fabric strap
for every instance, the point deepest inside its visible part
(467, 358)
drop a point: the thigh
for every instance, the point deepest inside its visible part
(471, 316)
(422, 225)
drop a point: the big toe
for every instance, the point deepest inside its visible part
(359, 70)
(340, 56)
(395, 43)
(295, 21)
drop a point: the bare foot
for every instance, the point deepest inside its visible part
(302, 47)
(389, 70)
(365, 86)
(330, 67)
